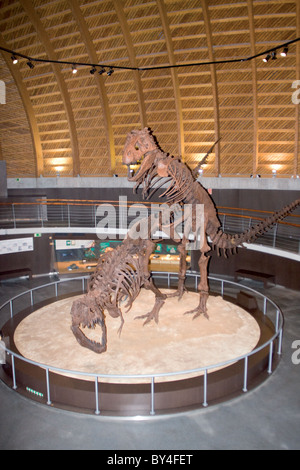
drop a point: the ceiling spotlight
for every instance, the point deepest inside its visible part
(93, 70)
(284, 52)
(273, 55)
(267, 58)
(14, 59)
(101, 71)
(110, 71)
(74, 69)
(30, 64)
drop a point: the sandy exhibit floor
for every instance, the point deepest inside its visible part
(176, 343)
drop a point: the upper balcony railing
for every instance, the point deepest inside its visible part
(67, 215)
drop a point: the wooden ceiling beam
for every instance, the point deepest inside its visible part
(40, 30)
(214, 84)
(175, 80)
(133, 62)
(297, 106)
(86, 37)
(36, 140)
(254, 88)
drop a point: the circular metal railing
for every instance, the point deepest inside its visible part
(267, 305)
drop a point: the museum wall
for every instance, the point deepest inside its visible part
(239, 198)
(286, 270)
(3, 179)
(40, 261)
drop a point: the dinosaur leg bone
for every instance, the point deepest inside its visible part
(182, 271)
(153, 315)
(202, 288)
(159, 302)
(116, 312)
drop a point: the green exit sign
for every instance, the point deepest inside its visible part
(37, 235)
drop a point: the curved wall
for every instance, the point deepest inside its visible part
(263, 194)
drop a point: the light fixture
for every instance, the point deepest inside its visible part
(74, 69)
(30, 64)
(110, 71)
(284, 52)
(200, 171)
(267, 58)
(58, 169)
(273, 55)
(93, 70)
(101, 71)
(14, 59)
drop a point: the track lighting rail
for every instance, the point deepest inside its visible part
(268, 54)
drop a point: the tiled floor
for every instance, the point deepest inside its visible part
(265, 418)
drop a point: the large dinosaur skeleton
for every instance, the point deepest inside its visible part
(120, 274)
(158, 169)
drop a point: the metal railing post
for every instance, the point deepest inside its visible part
(265, 305)
(68, 206)
(152, 412)
(275, 235)
(277, 321)
(205, 389)
(95, 216)
(245, 374)
(223, 223)
(14, 215)
(13, 372)
(279, 343)
(48, 387)
(270, 358)
(97, 411)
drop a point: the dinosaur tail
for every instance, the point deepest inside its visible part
(224, 241)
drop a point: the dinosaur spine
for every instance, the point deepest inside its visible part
(225, 241)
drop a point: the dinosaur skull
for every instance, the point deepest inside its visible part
(137, 144)
(86, 313)
(154, 165)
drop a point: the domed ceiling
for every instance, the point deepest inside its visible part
(54, 121)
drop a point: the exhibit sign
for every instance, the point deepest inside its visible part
(16, 245)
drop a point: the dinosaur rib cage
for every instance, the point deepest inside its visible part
(118, 277)
(181, 187)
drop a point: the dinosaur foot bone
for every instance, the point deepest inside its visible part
(153, 315)
(201, 309)
(178, 293)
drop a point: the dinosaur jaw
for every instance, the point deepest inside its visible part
(86, 342)
(145, 162)
(85, 313)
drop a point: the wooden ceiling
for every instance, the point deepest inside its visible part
(76, 124)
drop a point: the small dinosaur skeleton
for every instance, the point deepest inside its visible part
(157, 169)
(118, 278)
